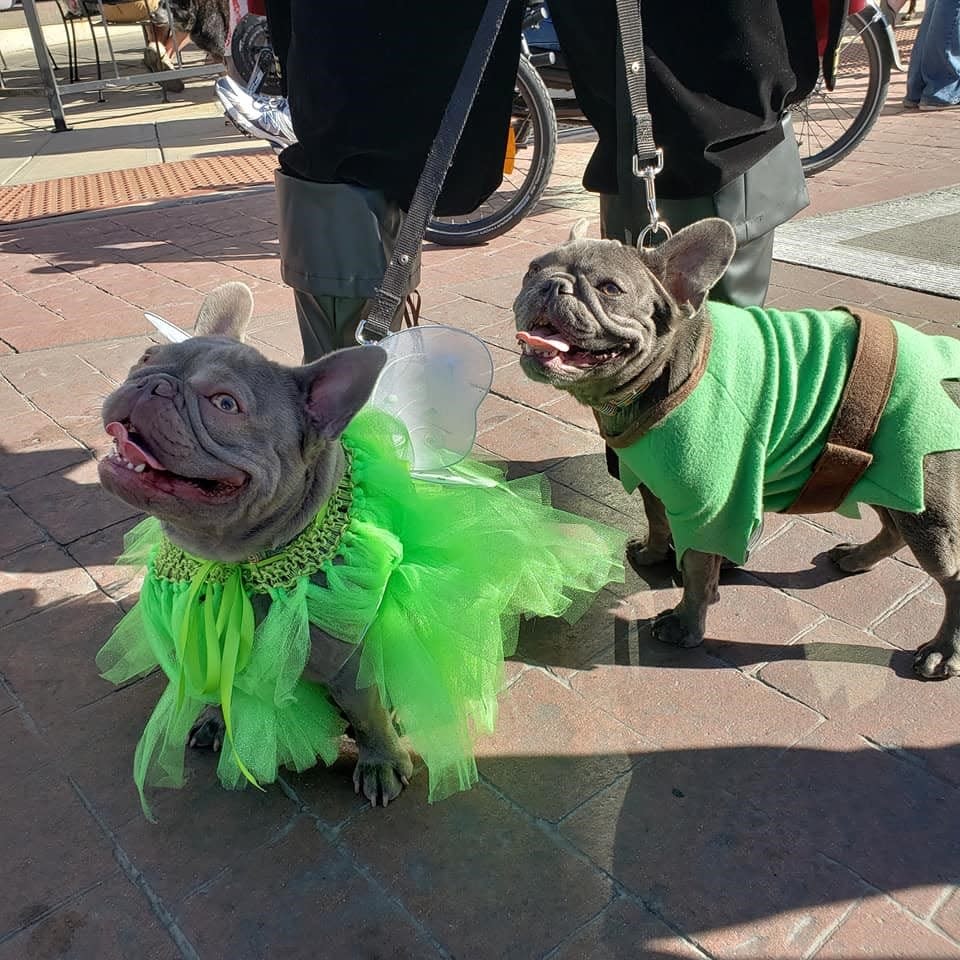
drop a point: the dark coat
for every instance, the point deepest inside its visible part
(368, 82)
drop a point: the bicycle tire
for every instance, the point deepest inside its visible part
(251, 42)
(873, 35)
(472, 231)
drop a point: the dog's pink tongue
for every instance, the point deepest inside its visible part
(543, 340)
(129, 450)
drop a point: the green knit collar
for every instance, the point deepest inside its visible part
(306, 554)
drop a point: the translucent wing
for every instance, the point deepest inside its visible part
(167, 329)
(434, 381)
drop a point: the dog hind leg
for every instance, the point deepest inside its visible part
(860, 557)
(934, 538)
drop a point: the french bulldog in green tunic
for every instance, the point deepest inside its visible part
(719, 413)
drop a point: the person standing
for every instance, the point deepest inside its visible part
(933, 78)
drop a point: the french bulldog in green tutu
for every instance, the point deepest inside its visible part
(301, 582)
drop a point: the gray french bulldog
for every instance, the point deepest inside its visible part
(228, 486)
(625, 330)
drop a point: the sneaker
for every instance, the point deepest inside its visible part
(265, 118)
(938, 106)
(156, 60)
(231, 94)
(910, 104)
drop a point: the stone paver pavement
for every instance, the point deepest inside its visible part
(788, 790)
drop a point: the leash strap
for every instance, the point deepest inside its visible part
(645, 149)
(396, 278)
(847, 456)
(647, 156)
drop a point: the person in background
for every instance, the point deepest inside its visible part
(367, 84)
(933, 78)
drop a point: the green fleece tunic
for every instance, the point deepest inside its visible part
(747, 437)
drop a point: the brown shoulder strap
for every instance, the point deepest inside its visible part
(847, 456)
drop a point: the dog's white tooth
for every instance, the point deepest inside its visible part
(128, 464)
(139, 468)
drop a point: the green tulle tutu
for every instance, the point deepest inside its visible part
(431, 578)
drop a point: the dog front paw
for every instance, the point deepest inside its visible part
(208, 730)
(937, 660)
(381, 778)
(643, 553)
(852, 557)
(670, 627)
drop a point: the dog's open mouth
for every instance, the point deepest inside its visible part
(549, 347)
(134, 465)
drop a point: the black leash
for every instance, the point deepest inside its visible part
(397, 276)
(647, 157)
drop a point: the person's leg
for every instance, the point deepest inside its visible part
(368, 86)
(335, 242)
(940, 65)
(175, 43)
(915, 82)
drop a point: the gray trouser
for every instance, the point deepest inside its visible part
(335, 242)
(748, 276)
(768, 194)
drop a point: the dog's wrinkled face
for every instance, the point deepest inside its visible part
(226, 447)
(594, 315)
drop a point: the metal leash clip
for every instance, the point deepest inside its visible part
(648, 174)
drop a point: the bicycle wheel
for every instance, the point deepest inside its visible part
(830, 123)
(535, 130)
(251, 48)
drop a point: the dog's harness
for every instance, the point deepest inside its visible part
(847, 455)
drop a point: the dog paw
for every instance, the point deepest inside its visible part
(640, 553)
(382, 779)
(668, 627)
(208, 730)
(850, 558)
(937, 660)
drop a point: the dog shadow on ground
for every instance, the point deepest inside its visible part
(754, 849)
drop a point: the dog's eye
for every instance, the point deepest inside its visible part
(225, 403)
(145, 358)
(609, 289)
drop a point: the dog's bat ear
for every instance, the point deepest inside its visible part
(693, 260)
(338, 385)
(225, 312)
(579, 230)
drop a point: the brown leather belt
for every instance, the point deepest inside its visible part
(847, 456)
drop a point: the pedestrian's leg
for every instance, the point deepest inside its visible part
(335, 242)
(915, 71)
(940, 66)
(278, 21)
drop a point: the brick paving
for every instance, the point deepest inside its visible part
(788, 790)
